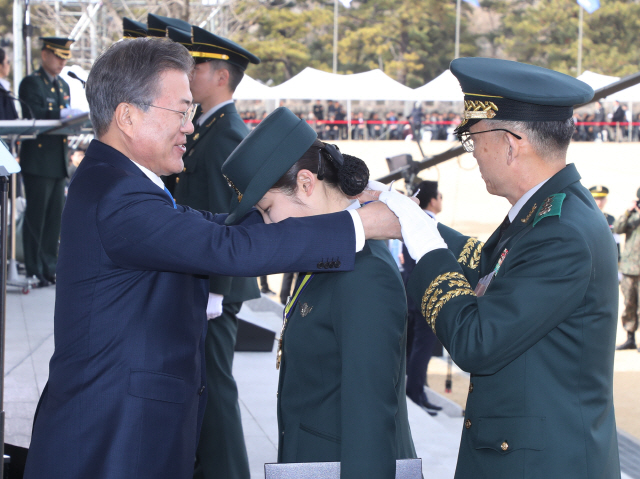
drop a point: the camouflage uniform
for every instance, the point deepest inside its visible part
(629, 224)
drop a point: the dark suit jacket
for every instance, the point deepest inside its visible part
(201, 185)
(47, 154)
(125, 392)
(342, 378)
(7, 105)
(539, 344)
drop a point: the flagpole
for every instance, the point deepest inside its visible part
(457, 49)
(579, 40)
(335, 36)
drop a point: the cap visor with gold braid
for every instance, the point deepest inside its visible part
(504, 90)
(61, 47)
(133, 29)
(157, 25)
(206, 46)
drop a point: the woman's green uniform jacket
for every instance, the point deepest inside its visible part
(341, 394)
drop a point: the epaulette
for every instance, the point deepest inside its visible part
(550, 207)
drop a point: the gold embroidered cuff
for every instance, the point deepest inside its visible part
(441, 290)
(470, 255)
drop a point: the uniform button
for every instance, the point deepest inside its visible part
(320, 265)
(184, 169)
(338, 264)
(332, 264)
(177, 180)
(467, 424)
(39, 146)
(201, 391)
(504, 446)
(470, 387)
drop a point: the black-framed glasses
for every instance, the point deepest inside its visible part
(467, 141)
(187, 115)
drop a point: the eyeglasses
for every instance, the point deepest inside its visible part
(467, 141)
(187, 115)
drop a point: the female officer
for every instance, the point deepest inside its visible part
(341, 393)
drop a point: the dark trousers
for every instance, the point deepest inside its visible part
(222, 453)
(41, 230)
(422, 342)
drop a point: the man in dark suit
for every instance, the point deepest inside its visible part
(44, 161)
(126, 390)
(220, 66)
(532, 314)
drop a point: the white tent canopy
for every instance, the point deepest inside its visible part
(250, 89)
(318, 85)
(595, 80)
(445, 87)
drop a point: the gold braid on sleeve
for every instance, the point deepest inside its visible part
(470, 254)
(441, 290)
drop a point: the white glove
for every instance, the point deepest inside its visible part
(419, 231)
(214, 305)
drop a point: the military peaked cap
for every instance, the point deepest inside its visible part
(133, 29)
(599, 191)
(61, 47)
(207, 46)
(180, 36)
(157, 25)
(263, 157)
(504, 90)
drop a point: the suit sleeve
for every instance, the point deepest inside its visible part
(140, 229)
(32, 93)
(541, 283)
(369, 319)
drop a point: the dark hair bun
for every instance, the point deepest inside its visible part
(353, 176)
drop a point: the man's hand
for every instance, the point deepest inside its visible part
(379, 222)
(419, 232)
(634, 206)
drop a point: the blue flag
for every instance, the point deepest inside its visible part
(589, 5)
(475, 3)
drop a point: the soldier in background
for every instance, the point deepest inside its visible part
(220, 66)
(629, 225)
(600, 194)
(44, 161)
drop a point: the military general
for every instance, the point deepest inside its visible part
(44, 161)
(531, 314)
(220, 66)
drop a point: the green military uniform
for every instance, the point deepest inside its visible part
(221, 451)
(539, 343)
(531, 314)
(341, 393)
(629, 225)
(342, 353)
(44, 169)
